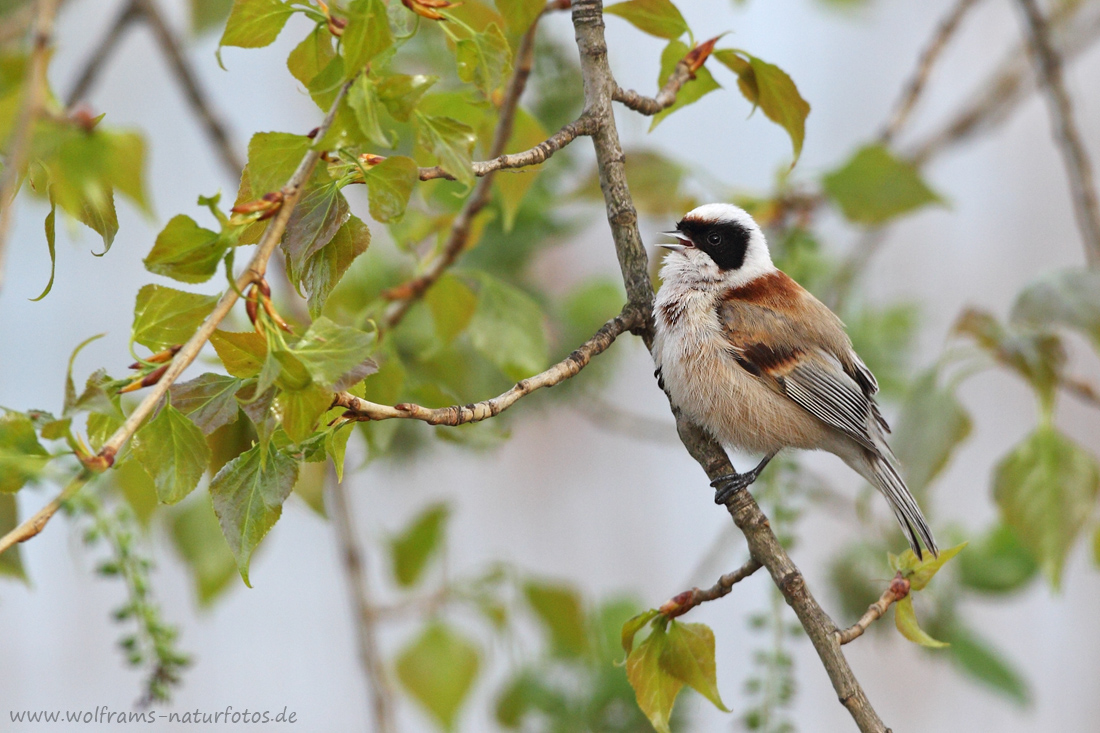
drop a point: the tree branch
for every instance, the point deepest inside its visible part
(34, 97)
(665, 98)
(363, 410)
(899, 588)
(927, 60)
(351, 551)
(599, 86)
(681, 603)
(1049, 71)
(102, 53)
(34, 525)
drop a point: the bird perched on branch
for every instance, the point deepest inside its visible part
(761, 364)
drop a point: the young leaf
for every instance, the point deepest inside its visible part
(399, 93)
(208, 15)
(998, 564)
(692, 91)
(654, 688)
(137, 487)
(633, 626)
(300, 409)
(173, 451)
(125, 166)
(255, 23)
(1068, 298)
(656, 17)
(197, 537)
(313, 223)
(164, 317)
(366, 35)
(323, 270)
(272, 159)
(51, 245)
(933, 424)
(364, 102)
(906, 621)
(689, 657)
(520, 14)
(770, 88)
(313, 54)
(411, 550)
(22, 457)
(248, 495)
(11, 559)
(330, 352)
(452, 304)
(484, 59)
(391, 183)
(919, 572)
(451, 142)
(185, 251)
(507, 329)
(1046, 489)
(209, 400)
(874, 187)
(243, 353)
(560, 611)
(438, 670)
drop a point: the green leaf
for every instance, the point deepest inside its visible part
(920, 571)
(51, 245)
(323, 270)
(654, 688)
(137, 487)
(998, 564)
(656, 17)
(126, 166)
(185, 251)
(438, 670)
(209, 400)
(323, 90)
(689, 657)
(507, 329)
(1046, 489)
(485, 59)
(560, 610)
(451, 142)
(208, 15)
(198, 538)
(1068, 298)
(906, 621)
(313, 54)
(1037, 356)
(165, 317)
(874, 187)
(272, 159)
(692, 91)
(411, 550)
(977, 658)
(769, 87)
(243, 353)
(452, 304)
(391, 183)
(364, 102)
(22, 457)
(513, 185)
(255, 23)
(299, 410)
(399, 93)
(313, 223)
(519, 15)
(633, 626)
(932, 426)
(366, 35)
(174, 452)
(11, 559)
(333, 353)
(248, 495)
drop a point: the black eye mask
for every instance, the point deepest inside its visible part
(725, 242)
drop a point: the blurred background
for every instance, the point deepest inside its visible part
(592, 489)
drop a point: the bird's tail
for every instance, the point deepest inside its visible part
(886, 479)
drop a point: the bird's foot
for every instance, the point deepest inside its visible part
(728, 485)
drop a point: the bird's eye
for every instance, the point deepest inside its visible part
(714, 238)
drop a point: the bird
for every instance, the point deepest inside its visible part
(753, 358)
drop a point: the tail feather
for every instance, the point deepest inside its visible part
(909, 516)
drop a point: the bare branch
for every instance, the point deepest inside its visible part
(1049, 67)
(102, 53)
(666, 97)
(405, 295)
(927, 60)
(899, 588)
(351, 551)
(363, 410)
(34, 97)
(680, 604)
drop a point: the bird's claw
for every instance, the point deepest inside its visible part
(728, 485)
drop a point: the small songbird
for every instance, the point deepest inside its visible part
(761, 364)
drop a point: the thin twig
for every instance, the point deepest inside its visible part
(666, 97)
(351, 551)
(1049, 67)
(34, 97)
(102, 53)
(360, 409)
(899, 588)
(34, 525)
(927, 60)
(405, 295)
(190, 350)
(681, 603)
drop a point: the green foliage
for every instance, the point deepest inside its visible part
(977, 658)
(323, 270)
(998, 563)
(905, 618)
(656, 17)
(185, 251)
(520, 14)
(208, 15)
(875, 186)
(209, 401)
(22, 457)
(198, 539)
(484, 59)
(438, 669)
(366, 35)
(451, 142)
(1068, 298)
(417, 544)
(932, 426)
(11, 560)
(702, 85)
(164, 317)
(255, 23)
(1046, 489)
(918, 571)
(558, 608)
(173, 451)
(507, 329)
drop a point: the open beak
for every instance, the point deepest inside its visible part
(683, 243)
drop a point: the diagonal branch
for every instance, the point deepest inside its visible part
(93, 67)
(1049, 67)
(681, 603)
(899, 588)
(363, 410)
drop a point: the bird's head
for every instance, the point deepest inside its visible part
(719, 243)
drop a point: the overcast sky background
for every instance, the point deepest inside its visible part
(564, 498)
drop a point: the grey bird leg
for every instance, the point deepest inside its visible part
(726, 486)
